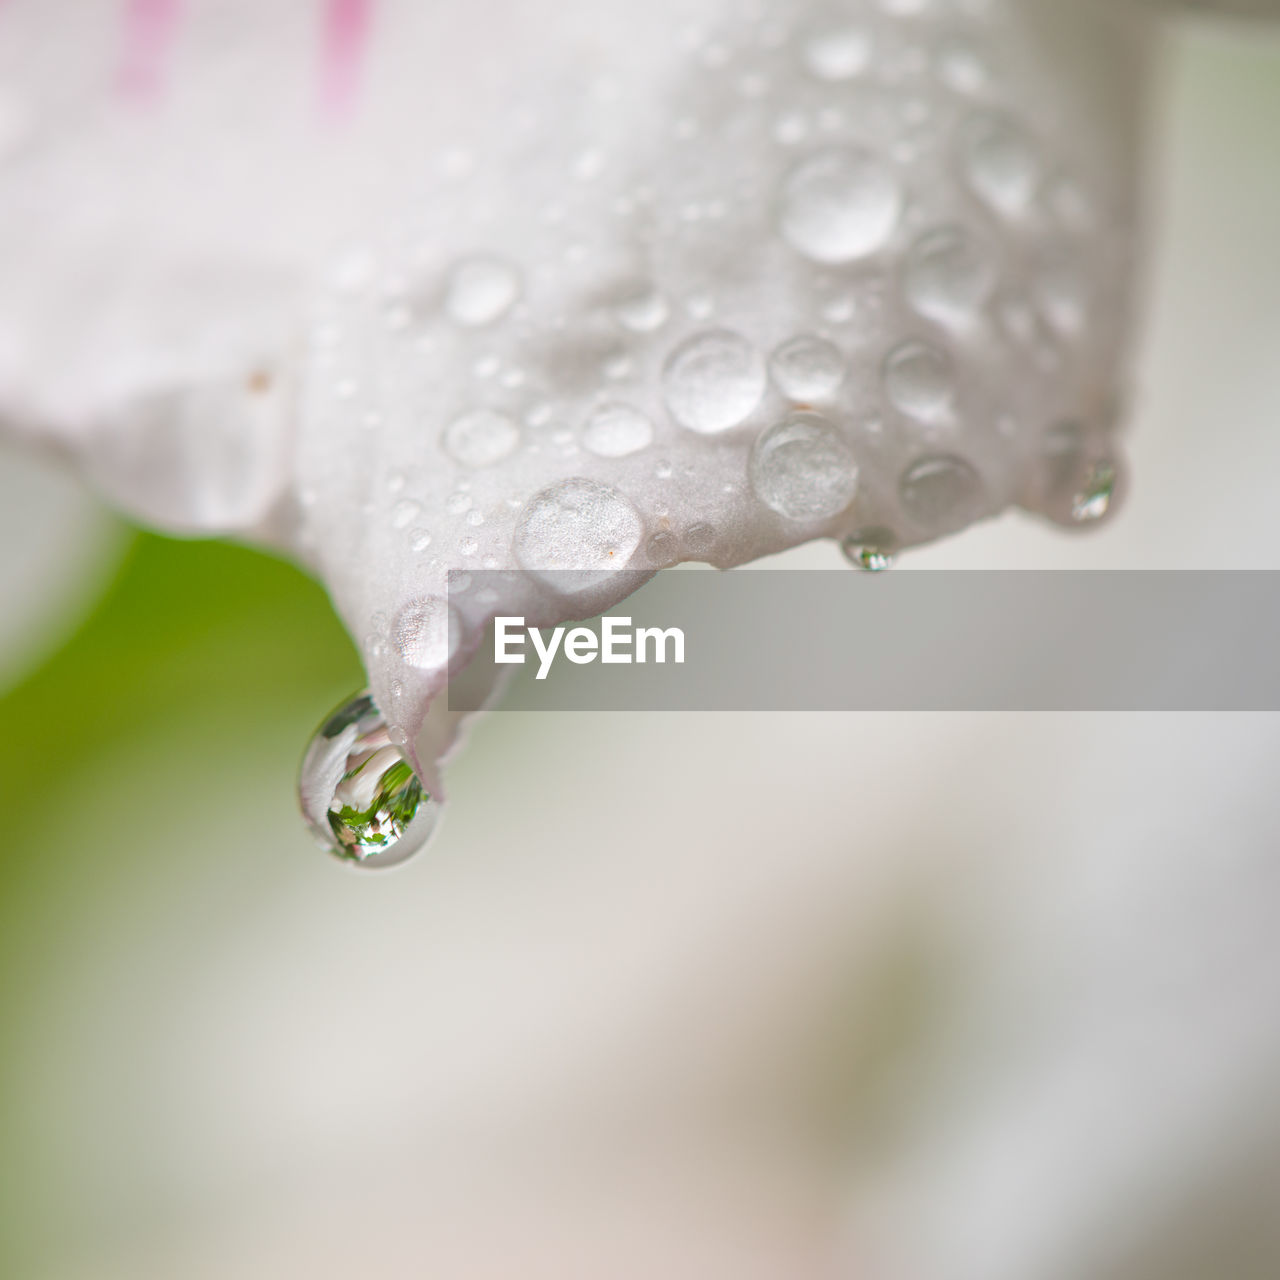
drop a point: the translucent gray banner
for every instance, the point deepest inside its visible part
(902, 641)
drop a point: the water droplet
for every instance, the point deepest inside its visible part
(919, 380)
(481, 291)
(941, 494)
(713, 381)
(616, 430)
(663, 549)
(1061, 289)
(803, 469)
(838, 206)
(791, 129)
(481, 438)
(404, 513)
(699, 538)
(643, 312)
(1001, 163)
(949, 276)
(576, 525)
(359, 795)
(961, 68)
(807, 369)
(426, 633)
(871, 550)
(1093, 502)
(838, 53)
(1080, 479)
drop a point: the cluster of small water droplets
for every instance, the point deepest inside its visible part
(841, 289)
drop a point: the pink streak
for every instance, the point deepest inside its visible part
(149, 30)
(346, 35)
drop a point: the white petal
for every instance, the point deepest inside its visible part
(370, 320)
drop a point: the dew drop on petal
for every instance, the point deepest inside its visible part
(838, 52)
(961, 68)
(481, 438)
(663, 549)
(838, 206)
(404, 513)
(941, 494)
(803, 469)
(576, 524)
(1000, 162)
(359, 795)
(949, 276)
(643, 312)
(871, 550)
(426, 632)
(617, 430)
(481, 291)
(919, 380)
(699, 538)
(1061, 290)
(713, 381)
(807, 369)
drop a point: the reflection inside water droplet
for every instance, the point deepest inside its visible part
(1081, 478)
(872, 550)
(359, 795)
(1093, 501)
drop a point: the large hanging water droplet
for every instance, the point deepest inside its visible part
(481, 291)
(941, 494)
(808, 369)
(359, 795)
(713, 381)
(949, 277)
(919, 380)
(839, 206)
(803, 469)
(871, 550)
